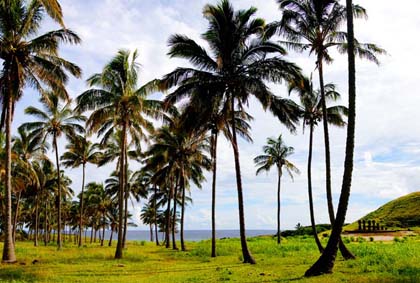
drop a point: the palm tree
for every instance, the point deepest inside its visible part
(54, 121)
(100, 200)
(147, 216)
(80, 151)
(27, 151)
(239, 68)
(276, 153)
(311, 108)
(27, 61)
(325, 263)
(118, 104)
(215, 119)
(314, 25)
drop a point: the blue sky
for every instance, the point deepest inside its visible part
(388, 147)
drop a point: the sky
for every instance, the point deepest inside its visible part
(387, 153)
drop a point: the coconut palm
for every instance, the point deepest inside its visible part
(54, 121)
(27, 151)
(28, 59)
(311, 108)
(214, 119)
(314, 25)
(80, 151)
(99, 199)
(276, 153)
(118, 104)
(325, 263)
(238, 67)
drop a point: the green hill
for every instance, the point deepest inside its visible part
(402, 212)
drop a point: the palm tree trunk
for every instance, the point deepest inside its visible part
(343, 249)
(174, 217)
(59, 243)
(46, 220)
(245, 251)
(118, 252)
(91, 235)
(311, 203)
(155, 212)
(182, 181)
(151, 233)
(278, 205)
(110, 237)
(81, 205)
(103, 229)
(36, 222)
(126, 196)
(213, 194)
(8, 247)
(168, 218)
(15, 219)
(325, 263)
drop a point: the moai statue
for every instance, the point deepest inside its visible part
(369, 225)
(360, 225)
(364, 225)
(373, 225)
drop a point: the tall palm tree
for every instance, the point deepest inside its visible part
(311, 108)
(314, 25)
(276, 153)
(80, 151)
(214, 119)
(54, 121)
(28, 59)
(118, 104)
(238, 67)
(27, 151)
(325, 263)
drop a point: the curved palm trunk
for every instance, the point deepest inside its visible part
(174, 217)
(81, 206)
(155, 220)
(311, 203)
(343, 249)
(59, 243)
(278, 205)
(183, 248)
(213, 195)
(245, 251)
(118, 251)
(325, 263)
(36, 222)
(9, 247)
(15, 219)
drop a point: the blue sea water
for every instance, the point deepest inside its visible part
(194, 235)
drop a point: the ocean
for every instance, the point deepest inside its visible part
(191, 235)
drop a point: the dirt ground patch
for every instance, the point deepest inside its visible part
(381, 236)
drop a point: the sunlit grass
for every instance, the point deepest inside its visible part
(144, 262)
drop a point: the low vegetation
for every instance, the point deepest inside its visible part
(394, 261)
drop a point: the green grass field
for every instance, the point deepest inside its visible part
(396, 261)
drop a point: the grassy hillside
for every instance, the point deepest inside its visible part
(402, 212)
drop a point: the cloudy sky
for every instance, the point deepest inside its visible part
(387, 163)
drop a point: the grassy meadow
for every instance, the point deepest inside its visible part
(396, 261)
